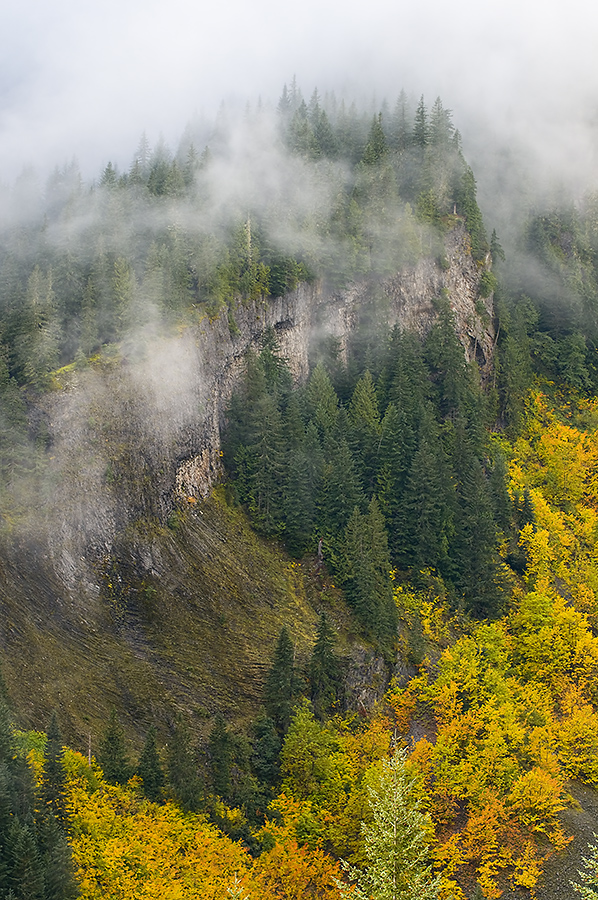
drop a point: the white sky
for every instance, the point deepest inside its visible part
(84, 79)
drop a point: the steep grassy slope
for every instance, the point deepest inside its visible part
(195, 635)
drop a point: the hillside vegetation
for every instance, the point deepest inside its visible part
(366, 665)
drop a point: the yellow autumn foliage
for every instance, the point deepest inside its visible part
(128, 848)
(499, 721)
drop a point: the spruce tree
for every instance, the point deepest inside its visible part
(421, 128)
(396, 841)
(6, 793)
(324, 670)
(588, 888)
(446, 359)
(56, 861)
(35, 859)
(425, 521)
(365, 573)
(182, 769)
(467, 205)
(395, 454)
(220, 749)
(365, 428)
(265, 466)
(280, 689)
(26, 877)
(149, 768)
(501, 499)
(112, 753)
(340, 490)
(400, 124)
(266, 750)
(410, 386)
(322, 402)
(299, 502)
(474, 543)
(376, 148)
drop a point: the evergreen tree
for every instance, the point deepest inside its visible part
(6, 794)
(149, 768)
(446, 359)
(496, 250)
(264, 466)
(322, 402)
(366, 428)
(38, 344)
(324, 136)
(220, 749)
(274, 366)
(324, 670)
(396, 841)
(182, 769)
(304, 467)
(365, 573)
(376, 148)
(441, 127)
(341, 489)
(376, 195)
(588, 888)
(26, 878)
(467, 206)
(35, 859)
(501, 499)
(299, 505)
(400, 125)
(421, 128)
(301, 138)
(425, 521)
(112, 753)
(410, 387)
(474, 543)
(280, 689)
(395, 454)
(266, 750)
(514, 364)
(56, 861)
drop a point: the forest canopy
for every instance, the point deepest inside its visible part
(448, 523)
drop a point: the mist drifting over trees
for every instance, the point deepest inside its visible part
(417, 538)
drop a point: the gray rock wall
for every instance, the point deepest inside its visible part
(132, 436)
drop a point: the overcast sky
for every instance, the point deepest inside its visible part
(84, 80)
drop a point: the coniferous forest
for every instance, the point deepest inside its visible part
(424, 720)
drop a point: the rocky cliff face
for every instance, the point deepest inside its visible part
(135, 434)
(99, 601)
(310, 313)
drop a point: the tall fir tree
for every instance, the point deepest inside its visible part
(325, 674)
(365, 573)
(220, 749)
(182, 768)
(396, 841)
(426, 516)
(112, 752)
(280, 690)
(150, 769)
(266, 750)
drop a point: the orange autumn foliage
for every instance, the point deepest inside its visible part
(128, 848)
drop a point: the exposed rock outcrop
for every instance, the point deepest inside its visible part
(98, 600)
(131, 437)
